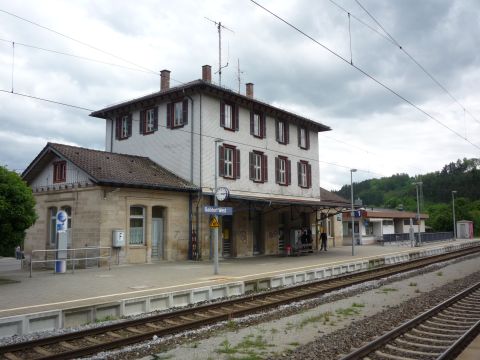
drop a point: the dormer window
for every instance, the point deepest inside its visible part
(282, 132)
(229, 116)
(123, 127)
(177, 114)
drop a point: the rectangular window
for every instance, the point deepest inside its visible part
(123, 127)
(137, 225)
(257, 124)
(229, 162)
(229, 116)
(283, 171)
(59, 171)
(258, 167)
(303, 138)
(304, 174)
(150, 120)
(282, 132)
(177, 114)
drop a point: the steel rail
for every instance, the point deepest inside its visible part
(219, 311)
(379, 342)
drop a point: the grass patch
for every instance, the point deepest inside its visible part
(232, 325)
(439, 273)
(106, 318)
(296, 344)
(417, 291)
(357, 305)
(412, 284)
(161, 357)
(387, 290)
(4, 281)
(250, 348)
(323, 317)
(351, 311)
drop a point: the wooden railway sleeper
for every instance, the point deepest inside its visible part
(456, 319)
(430, 339)
(429, 334)
(444, 325)
(460, 316)
(441, 330)
(153, 326)
(42, 351)
(68, 346)
(420, 345)
(11, 356)
(411, 352)
(134, 330)
(92, 340)
(114, 335)
(384, 355)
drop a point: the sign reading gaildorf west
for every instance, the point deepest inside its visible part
(215, 210)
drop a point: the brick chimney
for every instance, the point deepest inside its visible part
(207, 73)
(164, 80)
(249, 90)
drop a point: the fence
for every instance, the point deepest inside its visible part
(425, 237)
(91, 255)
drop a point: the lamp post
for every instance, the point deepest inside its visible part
(419, 240)
(352, 214)
(215, 203)
(453, 211)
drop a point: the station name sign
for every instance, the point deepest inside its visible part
(218, 210)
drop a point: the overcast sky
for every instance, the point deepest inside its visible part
(372, 129)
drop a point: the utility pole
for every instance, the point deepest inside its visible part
(220, 67)
(239, 75)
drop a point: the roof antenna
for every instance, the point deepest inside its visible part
(239, 74)
(220, 67)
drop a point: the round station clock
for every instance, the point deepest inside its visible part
(222, 193)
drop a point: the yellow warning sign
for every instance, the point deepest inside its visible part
(214, 223)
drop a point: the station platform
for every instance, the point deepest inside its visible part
(88, 294)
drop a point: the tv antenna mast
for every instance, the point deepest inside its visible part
(239, 74)
(220, 67)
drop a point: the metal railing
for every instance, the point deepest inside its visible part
(425, 237)
(72, 256)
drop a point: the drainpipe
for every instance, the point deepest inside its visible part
(199, 213)
(190, 249)
(190, 208)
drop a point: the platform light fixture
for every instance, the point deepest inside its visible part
(352, 213)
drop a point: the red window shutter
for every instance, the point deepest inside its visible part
(221, 161)
(169, 115)
(277, 136)
(277, 170)
(143, 120)
(251, 162)
(155, 118)
(222, 113)
(299, 171)
(237, 163)
(118, 127)
(287, 132)
(252, 115)
(264, 168)
(235, 116)
(307, 138)
(309, 176)
(289, 172)
(263, 126)
(129, 124)
(185, 112)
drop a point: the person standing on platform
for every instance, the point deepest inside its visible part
(323, 237)
(18, 253)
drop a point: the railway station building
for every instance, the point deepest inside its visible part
(165, 154)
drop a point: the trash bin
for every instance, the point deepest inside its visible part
(60, 266)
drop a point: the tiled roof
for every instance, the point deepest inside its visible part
(207, 87)
(106, 168)
(327, 196)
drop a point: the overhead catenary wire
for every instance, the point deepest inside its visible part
(365, 73)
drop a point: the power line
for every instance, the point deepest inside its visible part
(365, 73)
(46, 100)
(387, 36)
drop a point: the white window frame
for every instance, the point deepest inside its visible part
(257, 167)
(228, 110)
(281, 131)
(303, 175)
(282, 171)
(303, 138)
(228, 162)
(150, 120)
(178, 113)
(136, 217)
(124, 127)
(257, 124)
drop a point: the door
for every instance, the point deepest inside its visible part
(226, 234)
(257, 233)
(157, 233)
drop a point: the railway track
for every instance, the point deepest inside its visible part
(438, 334)
(114, 336)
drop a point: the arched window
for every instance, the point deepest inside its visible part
(137, 225)
(52, 231)
(68, 210)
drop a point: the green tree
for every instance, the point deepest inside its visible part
(17, 210)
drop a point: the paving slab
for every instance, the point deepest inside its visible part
(46, 291)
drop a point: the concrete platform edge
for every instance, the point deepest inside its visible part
(58, 319)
